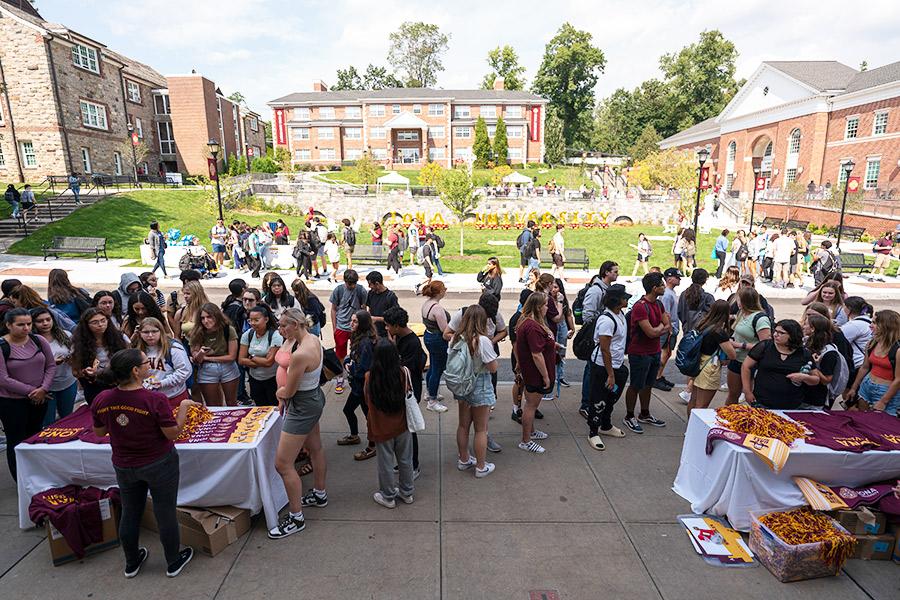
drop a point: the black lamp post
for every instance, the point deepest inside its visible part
(133, 152)
(701, 157)
(753, 201)
(214, 150)
(848, 168)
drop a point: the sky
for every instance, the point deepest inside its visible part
(269, 48)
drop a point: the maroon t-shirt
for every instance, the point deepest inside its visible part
(879, 426)
(134, 420)
(834, 431)
(531, 337)
(640, 343)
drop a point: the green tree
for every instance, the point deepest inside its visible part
(481, 147)
(501, 143)
(567, 77)
(498, 173)
(417, 50)
(457, 194)
(430, 175)
(669, 169)
(554, 143)
(238, 98)
(264, 164)
(504, 62)
(378, 78)
(621, 117)
(367, 169)
(646, 144)
(348, 79)
(232, 165)
(701, 77)
(282, 158)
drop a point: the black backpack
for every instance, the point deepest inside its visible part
(349, 236)
(6, 349)
(438, 240)
(314, 240)
(578, 305)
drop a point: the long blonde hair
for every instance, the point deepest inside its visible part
(153, 322)
(473, 325)
(532, 311)
(191, 311)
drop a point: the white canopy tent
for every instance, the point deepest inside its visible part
(516, 177)
(392, 178)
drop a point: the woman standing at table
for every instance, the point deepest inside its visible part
(300, 403)
(95, 340)
(257, 353)
(64, 387)
(778, 363)
(877, 384)
(716, 329)
(214, 348)
(170, 367)
(751, 326)
(141, 432)
(27, 367)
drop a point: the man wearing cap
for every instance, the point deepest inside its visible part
(672, 278)
(608, 372)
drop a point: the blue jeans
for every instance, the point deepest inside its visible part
(61, 402)
(76, 191)
(15, 209)
(562, 336)
(264, 256)
(533, 265)
(437, 264)
(437, 359)
(160, 263)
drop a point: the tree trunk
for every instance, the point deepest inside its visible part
(461, 232)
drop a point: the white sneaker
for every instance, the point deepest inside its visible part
(685, 396)
(436, 406)
(549, 398)
(531, 447)
(488, 469)
(538, 435)
(463, 466)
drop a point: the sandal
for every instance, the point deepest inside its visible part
(596, 442)
(365, 454)
(306, 469)
(348, 440)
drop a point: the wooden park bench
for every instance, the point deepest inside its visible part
(369, 254)
(855, 261)
(574, 257)
(772, 222)
(76, 245)
(797, 225)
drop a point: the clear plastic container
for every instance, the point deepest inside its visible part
(786, 562)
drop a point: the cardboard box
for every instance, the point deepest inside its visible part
(875, 547)
(60, 551)
(861, 521)
(209, 530)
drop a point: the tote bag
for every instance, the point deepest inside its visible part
(415, 422)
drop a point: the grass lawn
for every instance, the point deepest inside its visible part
(6, 207)
(569, 177)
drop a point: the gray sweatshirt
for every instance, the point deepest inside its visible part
(171, 377)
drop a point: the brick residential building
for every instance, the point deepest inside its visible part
(404, 126)
(799, 122)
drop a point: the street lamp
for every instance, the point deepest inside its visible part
(133, 152)
(753, 201)
(214, 148)
(702, 155)
(848, 168)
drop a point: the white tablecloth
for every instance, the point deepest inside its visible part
(732, 481)
(241, 475)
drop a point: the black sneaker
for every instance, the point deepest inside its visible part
(538, 414)
(130, 572)
(668, 383)
(583, 412)
(564, 383)
(184, 557)
(314, 499)
(660, 384)
(517, 416)
(287, 525)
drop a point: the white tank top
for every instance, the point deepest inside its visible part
(310, 379)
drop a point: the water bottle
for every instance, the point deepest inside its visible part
(805, 369)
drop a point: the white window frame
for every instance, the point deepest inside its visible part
(133, 89)
(395, 109)
(353, 133)
(417, 109)
(322, 135)
(488, 111)
(117, 163)
(459, 113)
(301, 113)
(353, 153)
(437, 153)
(462, 153)
(139, 127)
(353, 112)
(730, 156)
(300, 133)
(514, 111)
(514, 152)
(167, 144)
(378, 133)
(458, 131)
(2, 158)
(492, 131)
(435, 110)
(407, 136)
(842, 174)
(880, 114)
(87, 58)
(331, 152)
(854, 130)
(167, 109)
(871, 184)
(379, 153)
(376, 110)
(514, 132)
(93, 115)
(790, 175)
(29, 155)
(437, 133)
(302, 154)
(254, 124)
(794, 139)
(326, 112)
(86, 160)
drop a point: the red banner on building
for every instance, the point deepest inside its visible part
(704, 178)
(853, 184)
(213, 169)
(535, 123)
(280, 128)
(760, 184)
(135, 140)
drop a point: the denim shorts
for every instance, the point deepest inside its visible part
(872, 392)
(216, 372)
(644, 368)
(483, 394)
(218, 247)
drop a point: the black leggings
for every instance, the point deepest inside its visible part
(394, 260)
(353, 402)
(21, 419)
(263, 391)
(602, 398)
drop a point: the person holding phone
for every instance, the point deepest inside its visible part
(609, 373)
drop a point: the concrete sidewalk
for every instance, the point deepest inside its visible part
(573, 523)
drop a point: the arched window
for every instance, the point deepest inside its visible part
(732, 152)
(729, 165)
(794, 142)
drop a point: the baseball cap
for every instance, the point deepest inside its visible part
(672, 272)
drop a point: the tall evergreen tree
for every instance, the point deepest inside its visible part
(482, 145)
(554, 143)
(501, 143)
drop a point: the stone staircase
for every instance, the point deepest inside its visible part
(59, 205)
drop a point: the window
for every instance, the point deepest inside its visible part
(302, 113)
(376, 110)
(514, 153)
(143, 168)
(326, 112)
(873, 167)
(880, 126)
(353, 133)
(353, 112)
(492, 129)
(435, 110)
(86, 58)
(436, 153)
(765, 166)
(732, 151)
(166, 139)
(729, 182)
(254, 123)
(395, 109)
(436, 133)
(407, 136)
(514, 112)
(117, 163)
(28, 155)
(462, 153)
(790, 175)
(461, 112)
(489, 112)
(729, 165)
(514, 131)
(379, 153)
(462, 132)
(2, 159)
(417, 109)
(302, 154)
(852, 128)
(93, 115)
(378, 133)
(326, 133)
(139, 127)
(133, 90)
(86, 161)
(301, 133)
(794, 142)
(161, 102)
(842, 173)
(327, 154)
(354, 154)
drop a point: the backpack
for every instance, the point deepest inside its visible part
(742, 253)
(438, 240)
(832, 267)
(519, 242)
(840, 376)
(349, 236)
(578, 305)
(687, 355)
(6, 349)
(316, 310)
(314, 240)
(460, 372)
(583, 345)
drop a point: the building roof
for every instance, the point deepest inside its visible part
(709, 125)
(821, 75)
(405, 94)
(873, 77)
(139, 69)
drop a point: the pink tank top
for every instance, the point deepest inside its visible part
(282, 359)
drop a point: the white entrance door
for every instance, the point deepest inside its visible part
(409, 155)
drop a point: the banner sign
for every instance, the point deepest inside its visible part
(853, 184)
(535, 123)
(280, 128)
(704, 178)
(213, 170)
(760, 184)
